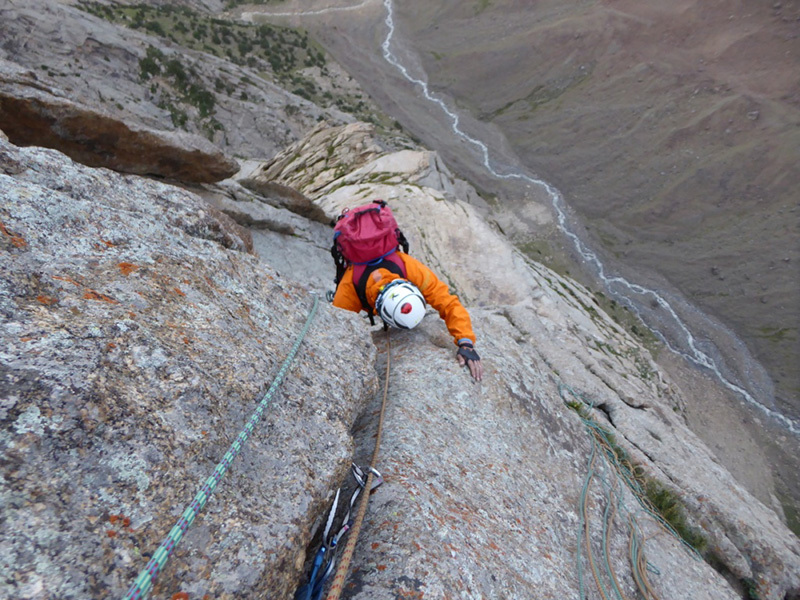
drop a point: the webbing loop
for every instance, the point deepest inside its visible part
(144, 582)
(375, 261)
(347, 556)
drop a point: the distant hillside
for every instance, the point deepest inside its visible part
(672, 128)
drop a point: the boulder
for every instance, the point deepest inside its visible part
(283, 196)
(324, 155)
(33, 113)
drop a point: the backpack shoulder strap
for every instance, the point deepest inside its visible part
(339, 261)
(391, 263)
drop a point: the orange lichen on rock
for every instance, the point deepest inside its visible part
(16, 240)
(46, 300)
(111, 533)
(127, 268)
(180, 596)
(92, 295)
(67, 279)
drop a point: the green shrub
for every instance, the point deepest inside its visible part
(670, 507)
(175, 69)
(148, 68)
(155, 27)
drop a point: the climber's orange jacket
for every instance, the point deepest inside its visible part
(433, 290)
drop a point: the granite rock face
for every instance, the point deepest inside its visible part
(34, 114)
(138, 337)
(326, 154)
(139, 334)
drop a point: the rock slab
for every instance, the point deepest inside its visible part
(138, 336)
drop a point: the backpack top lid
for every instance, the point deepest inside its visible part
(366, 233)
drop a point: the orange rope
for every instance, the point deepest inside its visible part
(347, 556)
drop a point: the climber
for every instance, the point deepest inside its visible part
(374, 275)
(399, 300)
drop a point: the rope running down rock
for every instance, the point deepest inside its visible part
(144, 582)
(341, 571)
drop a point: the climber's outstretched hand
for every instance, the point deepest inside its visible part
(468, 357)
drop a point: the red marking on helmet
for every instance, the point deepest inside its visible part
(406, 308)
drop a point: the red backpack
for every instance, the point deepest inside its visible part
(368, 238)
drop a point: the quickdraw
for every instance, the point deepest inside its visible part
(325, 559)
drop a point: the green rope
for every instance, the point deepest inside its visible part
(624, 472)
(144, 582)
(587, 480)
(627, 475)
(606, 529)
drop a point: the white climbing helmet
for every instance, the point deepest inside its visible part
(400, 304)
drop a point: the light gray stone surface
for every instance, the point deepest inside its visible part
(558, 335)
(483, 482)
(137, 339)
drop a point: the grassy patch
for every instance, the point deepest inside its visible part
(777, 334)
(540, 251)
(284, 50)
(628, 320)
(176, 86)
(671, 509)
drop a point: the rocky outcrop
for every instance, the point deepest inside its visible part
(325, 155)
(98, 64)
(138, 337)
(32, 113)
(251, 176)
(295, 246)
